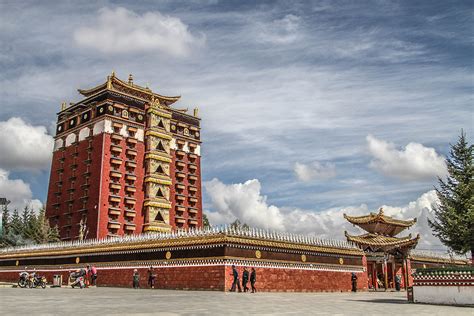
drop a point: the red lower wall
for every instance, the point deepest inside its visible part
(218, 277)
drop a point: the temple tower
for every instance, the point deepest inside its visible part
(124, 162)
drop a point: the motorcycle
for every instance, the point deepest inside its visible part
(36, 280)
(23, 280)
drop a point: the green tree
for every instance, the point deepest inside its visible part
(237, 224)
(453, 222)
(43, 231)
(205, 221)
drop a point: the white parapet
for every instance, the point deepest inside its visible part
(443, 294)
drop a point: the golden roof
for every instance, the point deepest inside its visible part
(380, 223)
(115, 84)
(380, 242)
(137, 244)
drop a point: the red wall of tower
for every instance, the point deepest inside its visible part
(85, 157)
(173, 169)
(139, 172)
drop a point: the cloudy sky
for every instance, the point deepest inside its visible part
(310, 109)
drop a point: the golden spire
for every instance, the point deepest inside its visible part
(130, 79)
(63, 106)
(196, 112)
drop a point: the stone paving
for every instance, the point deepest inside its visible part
(119, 301)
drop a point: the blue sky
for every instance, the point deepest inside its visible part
(308, 108)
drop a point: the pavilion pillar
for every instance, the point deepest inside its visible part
(405, 274)
(385, 276)
(374, 275)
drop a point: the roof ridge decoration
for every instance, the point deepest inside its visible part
(115, 84)
(376, 242)
(251, 236)
(379, 217)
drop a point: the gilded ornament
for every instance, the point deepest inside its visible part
(168, 255)
(303, 258)
(111, 108)
(78, 260)
(186, 132)
(258, 254)
(173, 127)
(17, 263)
(125, 113)
(341, 261)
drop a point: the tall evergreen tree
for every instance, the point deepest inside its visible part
(205, 221)
(454, 215)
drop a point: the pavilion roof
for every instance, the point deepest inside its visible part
(375, 242)
(115, 84)
(380, 224)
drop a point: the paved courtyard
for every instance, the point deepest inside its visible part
(117, 301)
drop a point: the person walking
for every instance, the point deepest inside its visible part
(354, 282)
(253, 279)
(236, 282)
(245, 279)
(93, 274)
(136, 279)
(151, 277)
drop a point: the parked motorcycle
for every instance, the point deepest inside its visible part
(36, 280)
(24, 279)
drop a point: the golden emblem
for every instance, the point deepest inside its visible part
(111, 108)
(341, 261)
(258, 254)
(424, 266)
(78, 260)
(17, 263)
(168, 255)
(303, 258)
(125, 113)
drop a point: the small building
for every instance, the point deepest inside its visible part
(387, 255)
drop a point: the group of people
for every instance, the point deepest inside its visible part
(246, 277)
(89, 275)
(151, 278)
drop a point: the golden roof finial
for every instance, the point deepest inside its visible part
(130, 79)
(63, 105)
(381, 211)
(113, 73)
(196, 112)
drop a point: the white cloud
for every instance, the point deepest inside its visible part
(24, 146)
(281, 31)
(244, 201)
(17, 192)
(415, 162)
(314, 171)
(119, 31)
